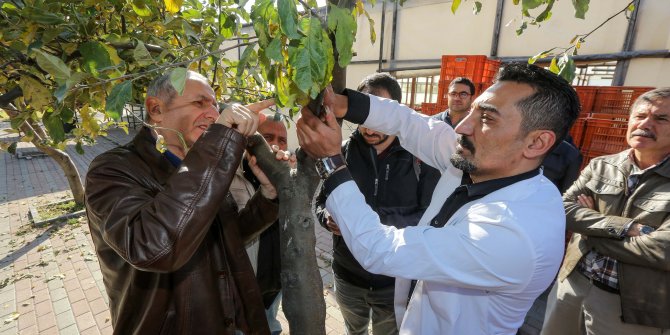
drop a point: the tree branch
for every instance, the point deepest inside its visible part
(160, 68)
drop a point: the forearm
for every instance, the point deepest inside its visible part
(257, 215)
(651, 250)
(160, 229)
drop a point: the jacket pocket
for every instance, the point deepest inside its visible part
(607, 194)
(652, 210)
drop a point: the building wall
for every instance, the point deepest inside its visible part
(426, 29)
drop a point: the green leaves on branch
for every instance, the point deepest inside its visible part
(312, 66)
(581, 7)
(342, 22)
(120, 95)
(178, 79)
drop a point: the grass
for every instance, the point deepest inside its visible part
(58, 209)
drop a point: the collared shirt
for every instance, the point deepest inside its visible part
(602, 268)
(470, 192)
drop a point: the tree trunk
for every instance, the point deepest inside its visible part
(62, 158)
(302, 287)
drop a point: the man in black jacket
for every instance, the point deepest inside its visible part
(398, 187)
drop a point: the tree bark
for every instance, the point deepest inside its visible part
(302, 287)
(62, 158)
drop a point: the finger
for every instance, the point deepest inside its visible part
(331, 121)
(256, 107)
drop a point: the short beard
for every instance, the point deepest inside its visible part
(463, 164)
(382, 139)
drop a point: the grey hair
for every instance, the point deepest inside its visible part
(162, 88)
(650, 97)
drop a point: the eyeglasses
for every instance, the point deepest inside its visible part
(463, 94)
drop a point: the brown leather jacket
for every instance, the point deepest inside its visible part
(171, 242)
(644, 261)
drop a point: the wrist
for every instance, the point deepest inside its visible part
(268, 192)
(328, 165)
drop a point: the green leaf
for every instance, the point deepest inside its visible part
(97, 58)
(53, 65)
(568, 68)
(342, 22)
(477, 7)
(454, 6)
(546, 13)
(34, 93)
(542, 54)
(173, 6)
(178, 79)
(309, 60)
(67, 114)
(54, 125)
(288, 18)
(121, 94)
(581, 7)
(12, 148)
(553, 66)
(523, 27)
(515, 2)
(79, 148)
(142, 55)
(273, 51)
(42, 16)
(631, 7)
(531, 4)
(141, 7)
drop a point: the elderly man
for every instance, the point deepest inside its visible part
(615, 279)
(168, 236)
(459, 98)
(484, 250)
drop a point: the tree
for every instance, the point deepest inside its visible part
(82, 61)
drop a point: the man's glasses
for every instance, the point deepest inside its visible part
(463, 94)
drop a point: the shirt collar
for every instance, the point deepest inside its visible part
(489, 186)
(636, 168)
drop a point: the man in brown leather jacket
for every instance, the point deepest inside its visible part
(615, 278)
(167, 233)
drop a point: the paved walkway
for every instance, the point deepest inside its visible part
(50, 280)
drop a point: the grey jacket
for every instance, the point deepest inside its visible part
(644, 262)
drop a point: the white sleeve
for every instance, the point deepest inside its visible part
(430, 140)
(483, 249)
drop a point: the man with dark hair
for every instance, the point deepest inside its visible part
(615, 278)
(166, 231)
(460, 96)
(398, 188)
(484, 250)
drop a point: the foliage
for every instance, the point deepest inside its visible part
(562, 63)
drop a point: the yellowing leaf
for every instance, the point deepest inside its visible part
(553, 67)
(34, 93)
(173, 6)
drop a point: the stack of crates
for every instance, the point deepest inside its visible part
(601, 128)
(478, 68)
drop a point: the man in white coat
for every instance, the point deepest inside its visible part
(490, 242)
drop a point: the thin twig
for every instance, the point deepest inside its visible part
(160, 68)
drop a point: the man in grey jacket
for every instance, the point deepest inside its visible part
(614, 279)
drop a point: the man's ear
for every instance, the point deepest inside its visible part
(538, 143)
(153, 107)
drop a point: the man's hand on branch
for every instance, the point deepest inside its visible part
(267, 189)
(244, 119)
(319, 138)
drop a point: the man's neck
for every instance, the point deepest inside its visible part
(645, 159)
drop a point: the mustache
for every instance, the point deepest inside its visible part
(465, 143)
(643, 133)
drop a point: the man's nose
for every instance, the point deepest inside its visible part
(466, 125)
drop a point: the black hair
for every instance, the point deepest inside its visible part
(374, 82)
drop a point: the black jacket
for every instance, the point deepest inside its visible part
(398, 187)
(561, 166)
